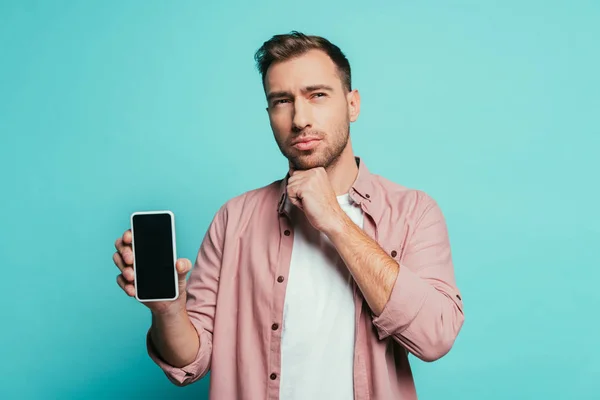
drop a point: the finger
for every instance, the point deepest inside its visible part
(295, 196)
(127, 255)
(127, 287)
(294, 190)
(297, 175)
(125, 250)
(127, 237)
(118, 260)
(183, 266)
(295, 201)
(119, 244)
(128, 274)
(293, 179)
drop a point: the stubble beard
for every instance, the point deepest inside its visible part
(324, 155)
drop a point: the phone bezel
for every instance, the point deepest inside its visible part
(173, 238)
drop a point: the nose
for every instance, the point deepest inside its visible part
(301, 118)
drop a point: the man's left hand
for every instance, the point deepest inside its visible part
(311, 191)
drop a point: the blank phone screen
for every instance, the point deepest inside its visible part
(153, 252)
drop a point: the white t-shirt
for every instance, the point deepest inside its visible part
(317, 347)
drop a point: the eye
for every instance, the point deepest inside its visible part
(320, 94)
(280, 101)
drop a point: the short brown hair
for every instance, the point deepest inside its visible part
(287, 46)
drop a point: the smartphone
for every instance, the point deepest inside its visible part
(154, 255)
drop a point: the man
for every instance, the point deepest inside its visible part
(318, 285)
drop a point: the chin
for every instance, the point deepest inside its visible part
(309, 161)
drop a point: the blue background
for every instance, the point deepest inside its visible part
(109, 107)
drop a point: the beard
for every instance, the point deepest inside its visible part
(324, 155)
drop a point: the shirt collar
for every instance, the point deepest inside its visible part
(360, 192)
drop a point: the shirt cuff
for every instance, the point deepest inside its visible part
(189, 373)
(408, 296)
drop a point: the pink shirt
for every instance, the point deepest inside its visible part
(236, 293)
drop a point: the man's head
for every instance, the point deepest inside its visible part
(307, 82)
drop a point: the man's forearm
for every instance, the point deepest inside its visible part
(175, 338)
(373, 270)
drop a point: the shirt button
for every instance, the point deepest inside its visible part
(367, 195)
(394, 253)
(280, 279)
(458, 297)
(273, 376)
(287, 232)
(275, 327)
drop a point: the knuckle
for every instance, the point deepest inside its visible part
(128, 273)
(118, 260)
(127, 257)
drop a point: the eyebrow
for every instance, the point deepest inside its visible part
(305, 89)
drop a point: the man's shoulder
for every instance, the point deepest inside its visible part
(394, 194)
(394, 189)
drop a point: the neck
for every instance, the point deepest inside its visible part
(343, 172)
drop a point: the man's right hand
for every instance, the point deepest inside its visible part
(123, 259)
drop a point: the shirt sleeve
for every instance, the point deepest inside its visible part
(201, 289)
(425, 311)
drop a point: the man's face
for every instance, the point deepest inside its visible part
(309, 110)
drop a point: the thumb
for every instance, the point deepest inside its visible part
(297, 202)
(183, 266)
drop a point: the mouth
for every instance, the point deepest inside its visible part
(306, 144)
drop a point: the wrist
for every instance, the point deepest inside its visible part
(338, 225)
(174, 311)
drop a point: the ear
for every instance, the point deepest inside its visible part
(353, 99)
